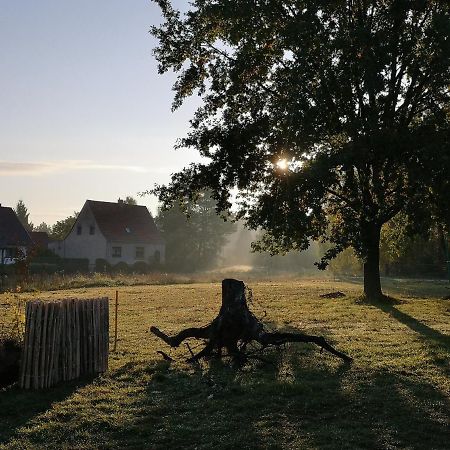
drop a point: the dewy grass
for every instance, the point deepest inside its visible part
(36, 283)
(394, 395)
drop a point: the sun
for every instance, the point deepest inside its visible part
(282, 164)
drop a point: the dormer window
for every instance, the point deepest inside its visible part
(79, 229)
(92, 229)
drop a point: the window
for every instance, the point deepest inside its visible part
(116, 252)
(79, 229)
(157, 256)
(92, 229)
(140, 253)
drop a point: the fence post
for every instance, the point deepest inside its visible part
(115, 321)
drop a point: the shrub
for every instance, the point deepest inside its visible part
(121, 267)
(102, 266)
(140, 267)
(74, 265)
(53, 264)
(10, 352)
(36, 268)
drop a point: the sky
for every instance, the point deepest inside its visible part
(83, 111)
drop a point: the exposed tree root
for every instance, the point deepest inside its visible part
(235, 327)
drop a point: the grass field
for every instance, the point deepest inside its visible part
(396, 394)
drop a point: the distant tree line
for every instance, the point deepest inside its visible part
(194, 236)
(198, 239)
(402, 253)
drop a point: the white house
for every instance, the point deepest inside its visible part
(115, 232)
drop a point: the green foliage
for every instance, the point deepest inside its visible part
(194, 235)
(102, 265)
(23, 215)
(62, 228)
(121, 267)
(140, 267)
(395, 238)
(43, 268)
(420, 254)
(314, 110)
(129, 200)
(53, 264)
(346, 263)
(44, 228)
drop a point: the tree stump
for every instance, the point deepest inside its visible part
(235, 327)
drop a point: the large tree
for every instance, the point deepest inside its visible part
(327, 117)
(194, 235)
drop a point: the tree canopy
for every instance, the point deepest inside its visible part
(193, 242)
(62, 227)
(43, 227)
(328, 118)
(129, 200)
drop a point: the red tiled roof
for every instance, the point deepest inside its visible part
(12, 232)
(120, 222)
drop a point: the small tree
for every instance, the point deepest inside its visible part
(23, 215)
(328, 118)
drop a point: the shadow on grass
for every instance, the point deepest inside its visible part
(387, 305)
(438, 344)
(303, 400)
(18, 407)
(410, 287)
(303, 403)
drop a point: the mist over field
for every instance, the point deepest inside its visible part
(237, 255)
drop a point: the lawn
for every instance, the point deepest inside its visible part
(396, 393)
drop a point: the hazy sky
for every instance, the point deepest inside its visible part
(83, 112)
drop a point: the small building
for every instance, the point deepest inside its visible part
(14, 238)
(115, 232)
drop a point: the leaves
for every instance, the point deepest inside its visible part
(193, 233)
(355, 95)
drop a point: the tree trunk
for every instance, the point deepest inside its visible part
(372, 283)
(235, 327)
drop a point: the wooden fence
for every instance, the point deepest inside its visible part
(64, 340)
